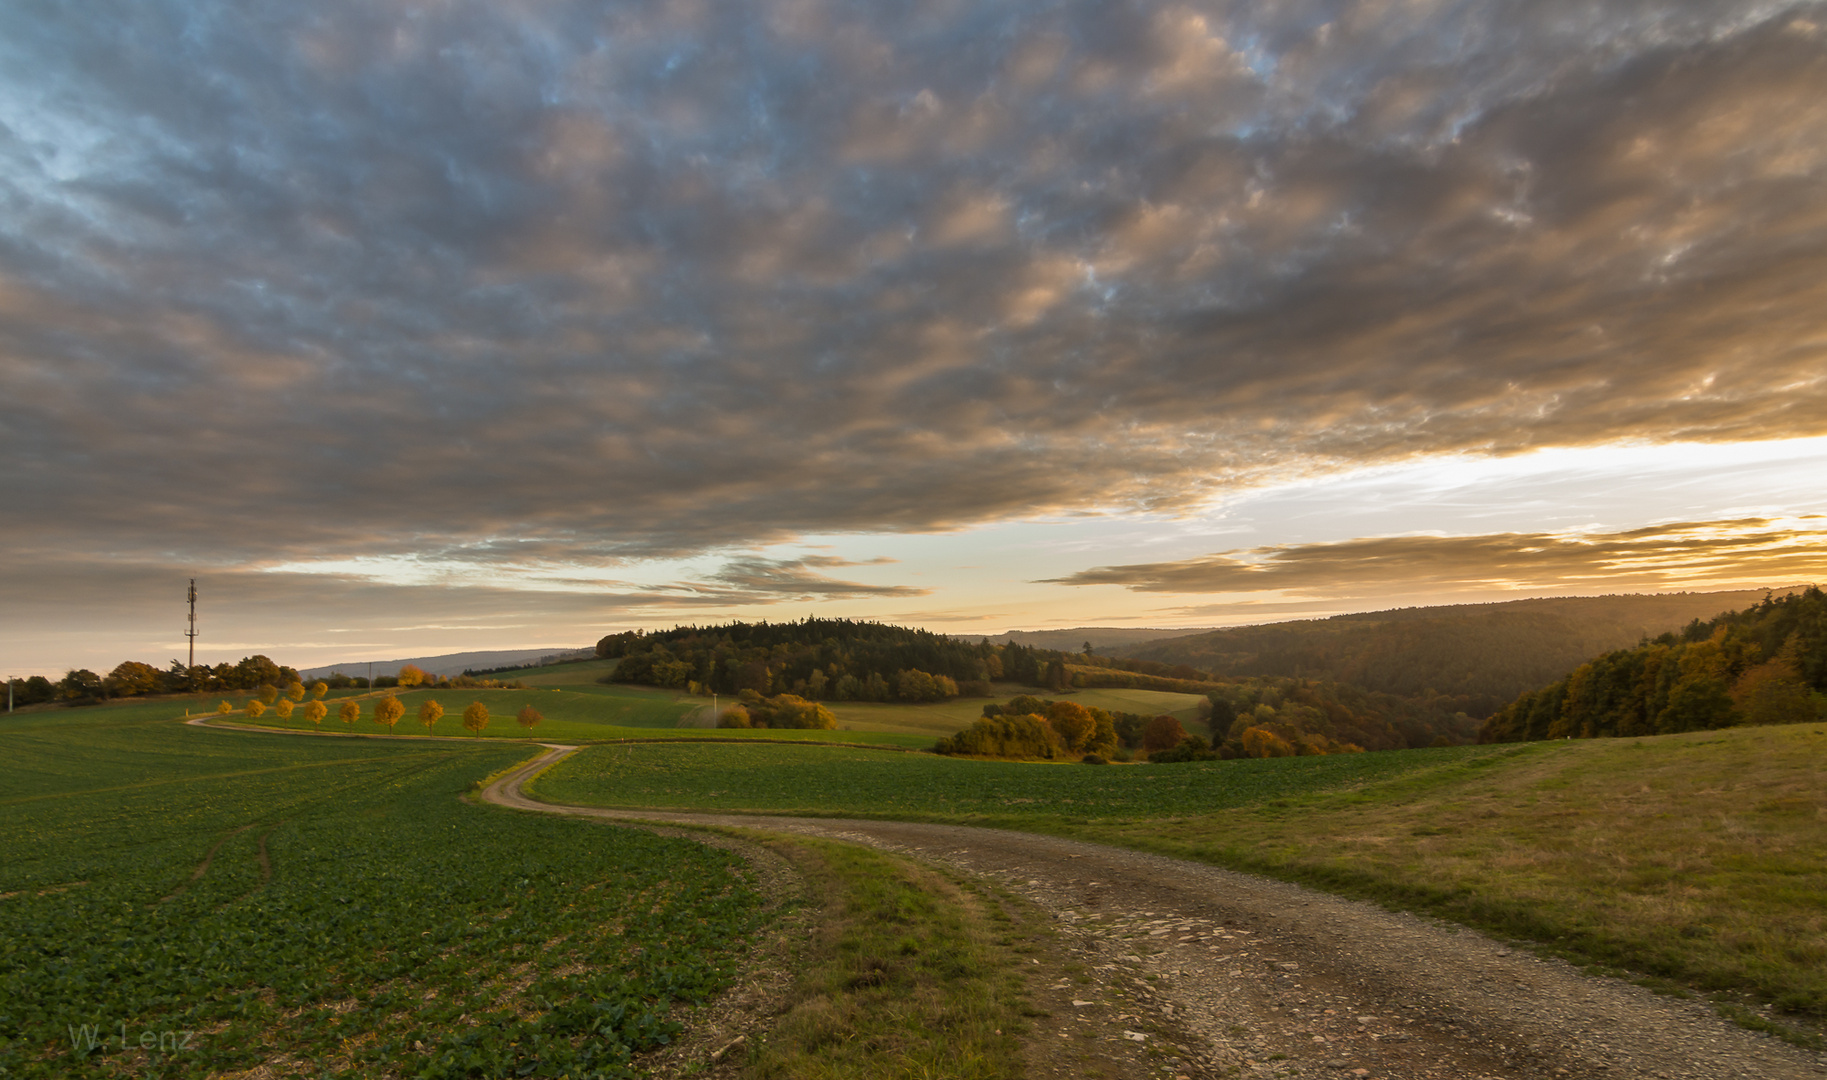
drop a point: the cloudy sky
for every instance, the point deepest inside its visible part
(415, 327)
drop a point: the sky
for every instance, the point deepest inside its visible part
(409, 328)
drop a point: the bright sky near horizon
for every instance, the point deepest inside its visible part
(410, 328)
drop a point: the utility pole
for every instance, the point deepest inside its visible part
(192, 635)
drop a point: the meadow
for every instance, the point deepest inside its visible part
(177, 902)
(1697, 862)
(570, 714)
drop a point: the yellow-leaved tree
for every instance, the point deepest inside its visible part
(412, 675)
(224, 709)
(319, 689)
(429, 713)
(254, 708)
(315, 711)
(283, 709)
(388, 711)
(295, 690)
(349, 713)
(268, 693)
(475, 718)
(529, 717)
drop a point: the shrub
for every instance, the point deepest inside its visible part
(1162, 733)
(1191, 748)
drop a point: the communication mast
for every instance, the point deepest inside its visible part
(192, 632)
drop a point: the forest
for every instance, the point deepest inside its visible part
(1766, 664)
(1471, 658)
(819, 660)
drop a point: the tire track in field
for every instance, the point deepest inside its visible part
(1219, 974)
(208, 857)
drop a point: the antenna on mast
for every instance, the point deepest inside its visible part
(192, 632)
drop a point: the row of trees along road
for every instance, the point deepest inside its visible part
(386, 712)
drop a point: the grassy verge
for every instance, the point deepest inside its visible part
(1699, 860)
(913, 973)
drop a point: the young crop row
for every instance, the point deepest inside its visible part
(180, 902)
(845, 781)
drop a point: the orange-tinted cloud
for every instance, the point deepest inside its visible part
(1681, 555)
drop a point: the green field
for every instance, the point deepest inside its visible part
(569, 716)
(840, 781)
(217, 900)
(948, 717)
(1699, 860)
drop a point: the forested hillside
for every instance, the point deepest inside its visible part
(1764, 665)
(1473, 658)
(819, 659)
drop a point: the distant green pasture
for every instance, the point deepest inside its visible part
(842, 781)
(567, 716)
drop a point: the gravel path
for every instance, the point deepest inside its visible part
(1177, 969)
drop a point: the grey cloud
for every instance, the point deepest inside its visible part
(283, 282)
(1654, 557)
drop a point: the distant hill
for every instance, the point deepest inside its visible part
(1480, 655)
(1100, 637)
(1766, 664)
(449, 663)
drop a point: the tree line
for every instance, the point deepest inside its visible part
(1766, 664)
(820, 660)
(131, 678)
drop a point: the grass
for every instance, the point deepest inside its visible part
(947, 717)
(911, 972)
(848, 782)
(573, 716)
(182, 902)
(1699, 860)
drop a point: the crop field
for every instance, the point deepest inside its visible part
(842, 781)
(180, 902)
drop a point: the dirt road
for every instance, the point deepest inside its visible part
(1186, 970)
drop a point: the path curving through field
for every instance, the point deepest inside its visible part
(1200, 972)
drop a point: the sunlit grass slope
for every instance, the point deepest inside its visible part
(948, 717)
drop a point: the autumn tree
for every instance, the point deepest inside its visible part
(268, 693)
(224, 709)
(529, 717)
(412, 675)
(349, 713)
(1262, 743)
(319, 689)
(429, 712)
(1161, 733)
(254, 708)
(475, 718)
(295, 690)
(388, 711)
(315, 711)
(283, 708)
